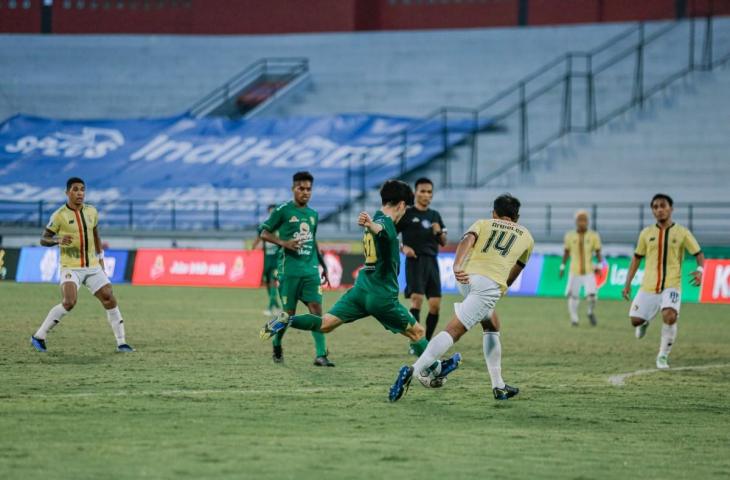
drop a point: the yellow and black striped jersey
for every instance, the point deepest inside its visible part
(79, 224)
(663, 249)
(581, 247)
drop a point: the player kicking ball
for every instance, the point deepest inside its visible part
(489, 257)
(375, 292)
(82, 262)
(662, 245)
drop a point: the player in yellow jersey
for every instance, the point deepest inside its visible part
(74, 227)
(580, 246)
(662, 245)
(489, 257)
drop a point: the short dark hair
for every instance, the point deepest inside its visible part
(271, 206)
(302, 177)
(506, 205)
(394, 191)
(423, 180)
(73, 180)
(660, 196)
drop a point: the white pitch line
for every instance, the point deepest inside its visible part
(172, 393)
(620, 379)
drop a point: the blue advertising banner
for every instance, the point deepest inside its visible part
(526, 284)
(238, 165)
(41, 264)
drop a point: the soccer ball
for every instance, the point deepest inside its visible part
(430, 379)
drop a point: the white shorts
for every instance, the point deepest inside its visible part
(93, 278)
(480, 297)
(646, 305)
(575, 282)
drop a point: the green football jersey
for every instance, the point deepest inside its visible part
(379, 275)
(293, 222)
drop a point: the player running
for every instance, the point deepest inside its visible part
(489, 257)
(299, 278)
(663, 245)
(82, 262)
(580, 245)
(272, 256)
(376, 288)
(423, 232)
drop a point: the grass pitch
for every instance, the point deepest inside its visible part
(202, 399)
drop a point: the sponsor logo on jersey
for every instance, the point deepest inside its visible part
(293, 219)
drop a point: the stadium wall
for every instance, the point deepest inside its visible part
(289, 16)
(243, 269)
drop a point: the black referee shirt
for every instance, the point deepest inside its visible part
(417, 231)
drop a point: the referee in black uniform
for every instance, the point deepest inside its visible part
(423, 231)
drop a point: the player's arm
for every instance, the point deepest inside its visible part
(566, 254)
(514, 273)
(633, 268)
(439, 229)
(693, 247)
(97, 247)
(256, 242)
(50, 237)
(599, 256)
(462, 251)
(320, 258)
(364, 220)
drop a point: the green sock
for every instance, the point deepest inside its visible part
(273, 298)
(276, 339)
(320, 344)
(420, 346)
(306, 321)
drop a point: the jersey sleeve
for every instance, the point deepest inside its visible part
(641, 245)
(526, 254)
(54, 224)
(96, 218)
(272, 223)
(384, 233)
(476, 228)
(440, 220)
(690, 243)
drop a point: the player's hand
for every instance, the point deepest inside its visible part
(364, 219)
(409, 252)
(461, 276)
(65, 240)
(696, 278)
(293, 244)
(101, 264)
(325, 278)
(626, 293)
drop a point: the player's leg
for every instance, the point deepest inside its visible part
(670, 314)
(69, 292)
(320, 344)
(591, 290)
(643, 308)
(573, 298)
(288, 292)
(492, 348)
(433, 292)
(100, 286)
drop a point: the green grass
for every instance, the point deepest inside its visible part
(202, 399)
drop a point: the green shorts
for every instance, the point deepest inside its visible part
(356, 303)
(293, 289)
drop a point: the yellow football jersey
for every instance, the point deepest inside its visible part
(581, 246)
(664, 249)
(79, 224)
(499, 246)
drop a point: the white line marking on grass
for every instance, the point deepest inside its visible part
(175, 393)
(620, 379)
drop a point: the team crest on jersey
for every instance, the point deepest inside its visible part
(415, 220)
(293, 219)
(652, 239)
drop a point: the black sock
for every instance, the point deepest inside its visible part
(431, 321)
(416, 314)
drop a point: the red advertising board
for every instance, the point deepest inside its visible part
(716, 282)
(200, 268)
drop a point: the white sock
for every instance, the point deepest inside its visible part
(52, 319)
(573, 303)
(493, 356)
(669, 334)
(438, 345)
(591, 304)
(115, 320)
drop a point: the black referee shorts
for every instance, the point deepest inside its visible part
(423, 277)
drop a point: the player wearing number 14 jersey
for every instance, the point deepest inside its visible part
(490, 256)
(376, 288)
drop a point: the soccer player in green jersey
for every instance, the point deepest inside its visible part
(272, 256)
(299, 278)
(376, 288)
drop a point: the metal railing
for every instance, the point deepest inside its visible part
(286, 69)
